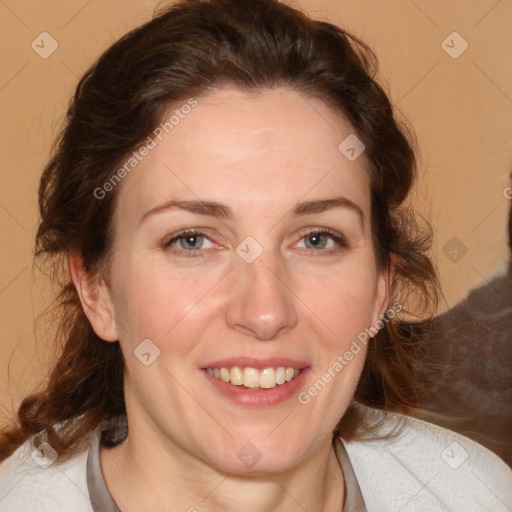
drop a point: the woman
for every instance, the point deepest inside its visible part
(227, 202)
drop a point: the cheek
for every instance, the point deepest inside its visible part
(343, 301)
(158, 305)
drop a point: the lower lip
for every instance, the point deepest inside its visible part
(258, 397)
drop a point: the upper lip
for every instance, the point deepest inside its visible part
(259, 364)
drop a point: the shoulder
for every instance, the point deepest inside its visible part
(30, 479)
(427, 467)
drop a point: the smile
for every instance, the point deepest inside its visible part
(253, 378)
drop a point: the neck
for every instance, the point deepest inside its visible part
(142, 476)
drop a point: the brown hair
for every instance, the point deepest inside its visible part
(189, 49)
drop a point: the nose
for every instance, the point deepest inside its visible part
(261, 304)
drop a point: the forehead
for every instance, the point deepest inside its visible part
(251, 150)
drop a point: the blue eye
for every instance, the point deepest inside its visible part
(320, 240)
(190, 243)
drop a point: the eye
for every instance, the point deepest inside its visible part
(189, 241)
(319, 240)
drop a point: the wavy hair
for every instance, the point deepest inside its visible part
(189, 49)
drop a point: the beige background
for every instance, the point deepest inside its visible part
(460, 109)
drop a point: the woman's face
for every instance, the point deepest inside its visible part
(259, 289)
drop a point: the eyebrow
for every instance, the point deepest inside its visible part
(222, 211)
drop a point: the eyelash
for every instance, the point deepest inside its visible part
(336, 237)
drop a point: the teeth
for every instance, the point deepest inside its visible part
(253, 378)
(290, 373)
(280, 375)
(268, 378)
(236, 376)
(224, 374)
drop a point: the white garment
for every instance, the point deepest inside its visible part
(424, 468)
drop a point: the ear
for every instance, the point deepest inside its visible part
(384, 288)
(95, 298)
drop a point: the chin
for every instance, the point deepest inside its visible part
(260, 456)
(274, 464)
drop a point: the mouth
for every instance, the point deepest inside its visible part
(255, 382)
(253, 378)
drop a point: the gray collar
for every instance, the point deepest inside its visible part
(101, 499)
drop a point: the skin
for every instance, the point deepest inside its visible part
(260, 154)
